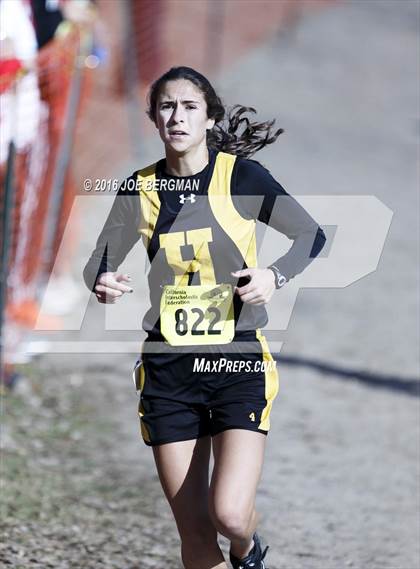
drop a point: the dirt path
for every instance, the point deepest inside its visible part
(78, 487)
(81, 491)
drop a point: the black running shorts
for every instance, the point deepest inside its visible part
(186, 395)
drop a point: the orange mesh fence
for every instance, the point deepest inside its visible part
(34, 170)
(42, 188)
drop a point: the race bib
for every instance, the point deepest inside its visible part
(197, 315)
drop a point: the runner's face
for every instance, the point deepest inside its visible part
(181, 116)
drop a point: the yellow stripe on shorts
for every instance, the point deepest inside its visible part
(271, 383)
(143, 429)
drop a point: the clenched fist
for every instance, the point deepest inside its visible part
(260, 287)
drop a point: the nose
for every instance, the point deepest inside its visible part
(177, 114)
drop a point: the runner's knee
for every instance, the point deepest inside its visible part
(232, 523)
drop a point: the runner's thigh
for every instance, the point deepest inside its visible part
(238, 462)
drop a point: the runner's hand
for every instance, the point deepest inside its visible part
(260, 288)
(109, 287)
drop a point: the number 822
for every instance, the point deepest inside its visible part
(181, 319)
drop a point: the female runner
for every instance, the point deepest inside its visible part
(201, 377)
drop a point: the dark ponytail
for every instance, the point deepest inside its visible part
(240, 136)
(234, 133)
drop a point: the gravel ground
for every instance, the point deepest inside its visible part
(340, 485)
(80, 490)
(72, 497)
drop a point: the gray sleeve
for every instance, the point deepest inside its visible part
(272, 205)
(291, 219)
(117, 237)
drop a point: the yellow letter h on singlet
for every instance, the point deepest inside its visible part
(199, 239)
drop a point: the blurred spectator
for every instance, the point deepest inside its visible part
(42, 45)
(20, 116)
(20, 101)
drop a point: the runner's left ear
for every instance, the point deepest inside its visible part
(210, 123)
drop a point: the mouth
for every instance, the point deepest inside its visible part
(177, 134)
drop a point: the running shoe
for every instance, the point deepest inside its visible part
(254, 559)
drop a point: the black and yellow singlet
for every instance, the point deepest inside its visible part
(201, 244)
(199, 229)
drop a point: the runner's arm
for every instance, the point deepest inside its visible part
(118, 235)
(272, 205)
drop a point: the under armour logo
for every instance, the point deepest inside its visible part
(190, 198)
